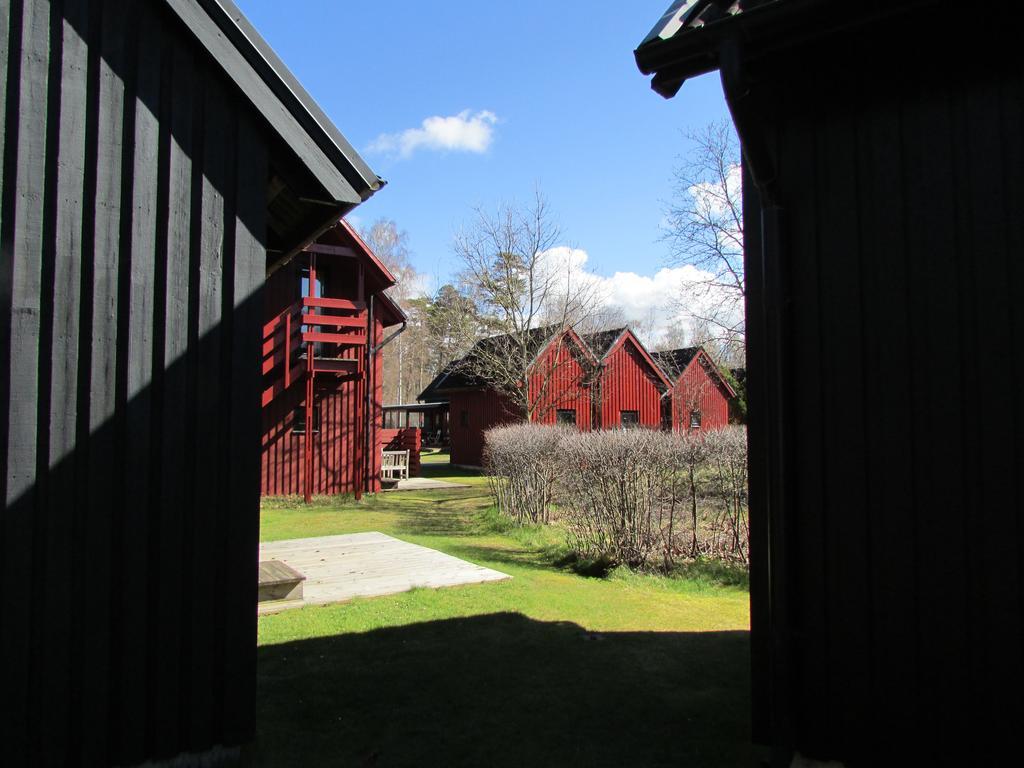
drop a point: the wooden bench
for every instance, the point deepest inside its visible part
(394, 465)
(279, 581)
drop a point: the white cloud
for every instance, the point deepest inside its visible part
(464, 132)
(658, 303)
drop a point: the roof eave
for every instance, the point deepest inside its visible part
(772, 26)
(252, 65)
(386, 273)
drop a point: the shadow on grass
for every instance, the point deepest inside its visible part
(545, 559)
(502, 689)
(446, 516)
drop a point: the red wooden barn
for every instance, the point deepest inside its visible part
(325, 318)
(700, 394)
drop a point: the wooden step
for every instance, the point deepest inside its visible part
(279, 581)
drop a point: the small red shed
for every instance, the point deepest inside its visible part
(325, 316)
(700, 394)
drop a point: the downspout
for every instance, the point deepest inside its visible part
(371, 385)
(769, 581)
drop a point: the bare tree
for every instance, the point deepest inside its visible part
(405, 366)
(531, 292)
(705, 230)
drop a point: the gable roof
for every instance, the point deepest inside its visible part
(247, 59)
(675, 361)
(601, 342)
(624, 335)
(430, 393)
(686, 40)
(457, 373)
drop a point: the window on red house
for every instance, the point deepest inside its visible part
(566, 416)
(299, 420)
(629, 419)
(694, 419)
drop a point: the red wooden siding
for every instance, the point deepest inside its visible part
(483, 409)
(405, 439)
(629, 384)
(699, 389)
(339, 447)
(566, 388)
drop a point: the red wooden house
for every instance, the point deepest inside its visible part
(700, 394)
(631, 389)
(325, 318)
(560, 386)
(603, 380)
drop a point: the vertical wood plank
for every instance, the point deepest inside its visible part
(21, 254)
(1012, 178)
(937, 422)
(108, 46)
(996, 639)
(208, 449)
(59, 372)
(890, 504)
(172, 497)
(132, 684)
(798, 156)
(243, 528)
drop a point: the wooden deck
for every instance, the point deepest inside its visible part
(338, 568)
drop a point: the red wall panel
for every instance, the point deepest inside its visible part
(698, 389)
(338, 447)
(561, 384)
(629, 384)
(405, 439)
(472, 413)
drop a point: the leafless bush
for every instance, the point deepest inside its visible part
(727, 475)
(522, 463)
(635, 497)
(620, 494)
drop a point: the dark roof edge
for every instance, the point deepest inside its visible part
(393, 306)
(264, 79)
(673, 52)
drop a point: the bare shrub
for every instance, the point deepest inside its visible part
(727, 485)
(636, 497)
(619, 494)
(522, 463)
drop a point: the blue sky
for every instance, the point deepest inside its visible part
(572, 114)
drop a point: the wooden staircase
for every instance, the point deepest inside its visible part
(316, 336)
(335, 329)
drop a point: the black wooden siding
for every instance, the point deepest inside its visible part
(132, 231)
(886, 422)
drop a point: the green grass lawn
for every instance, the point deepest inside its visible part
(548, 668)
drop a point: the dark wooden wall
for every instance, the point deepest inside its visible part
(131, 259)
(886, 365)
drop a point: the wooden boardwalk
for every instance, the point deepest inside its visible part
(338, 568)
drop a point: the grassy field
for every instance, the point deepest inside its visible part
(548, 668)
